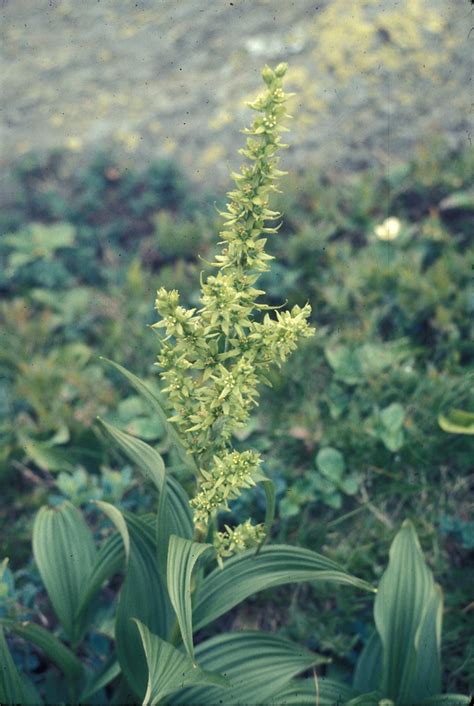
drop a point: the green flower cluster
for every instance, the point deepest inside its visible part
(237, 539)
(228, 474)
(213, 358)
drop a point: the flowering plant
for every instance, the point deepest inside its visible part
(212, 359)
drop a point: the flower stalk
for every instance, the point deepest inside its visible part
(212, 359)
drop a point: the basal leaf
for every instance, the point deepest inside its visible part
(313, 690)
(403, 613)
(182, 557)
(11, 687)
(169, 670)
(368, 671)
(58, 653)
(65, 554)
(247, 573)
(146, 458)
(143, 597)
(159, 406)
(256, 665)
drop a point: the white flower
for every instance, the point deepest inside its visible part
(388, 230)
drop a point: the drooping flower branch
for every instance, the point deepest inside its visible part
(212, 359)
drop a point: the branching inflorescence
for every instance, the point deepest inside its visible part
(213, 358)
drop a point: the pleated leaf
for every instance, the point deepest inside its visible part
(447, 700)
(159, 406)
(174, 517)
(65, 554)
(368, 673)
(256, 665)
(143, 596)
(174, 514)
(11, 687)
(146, 458)
(247, 573)
(169, 670)
(58, 653)
(110, 559)
(406, 612)
(314, 690)
(182, 557)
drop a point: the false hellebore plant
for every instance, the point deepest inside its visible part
(211, 360)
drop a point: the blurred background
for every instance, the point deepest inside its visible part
(120, 124)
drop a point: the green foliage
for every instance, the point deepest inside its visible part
(353, 433)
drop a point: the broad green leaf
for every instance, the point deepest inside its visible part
(57, 652)
(182, 557)
(345, 363)
(143, 596)
(169, 670)
(457, 421)
(45, 456)
(331, 463)
(246, 574)
(65, 554)
(146, 458)
(447, 700)
(256, 666)
(463, 200)
(11, 686)
(100, 680)
(403, 613)
(373, 698)
(110, 559)
(174, 516)
(313, 690)
(428, 644)
(368, 671)
(393, 416)
(159, 406)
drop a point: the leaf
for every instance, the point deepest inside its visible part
(174, 514)
(463, 200)
(447, 700)
(319, 690)
(406, 609)
(182, 557)
(457, 421)
(64, 551)
(428, 635)
(246, 574)
(158, 404)
(331, 463)
(345, 363)
(169, 670)
(110, 558)
(100, 680)
(11, 687)
(256, 666)
(143, 596)
(58, 653)
(369, 665)
(146, 458)
(46, 457)
(392, 417)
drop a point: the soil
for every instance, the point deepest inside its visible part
(166, 78)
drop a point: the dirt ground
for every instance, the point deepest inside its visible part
(168, 78)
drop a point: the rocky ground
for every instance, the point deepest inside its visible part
(168, 78)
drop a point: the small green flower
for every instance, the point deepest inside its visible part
(213, 358)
